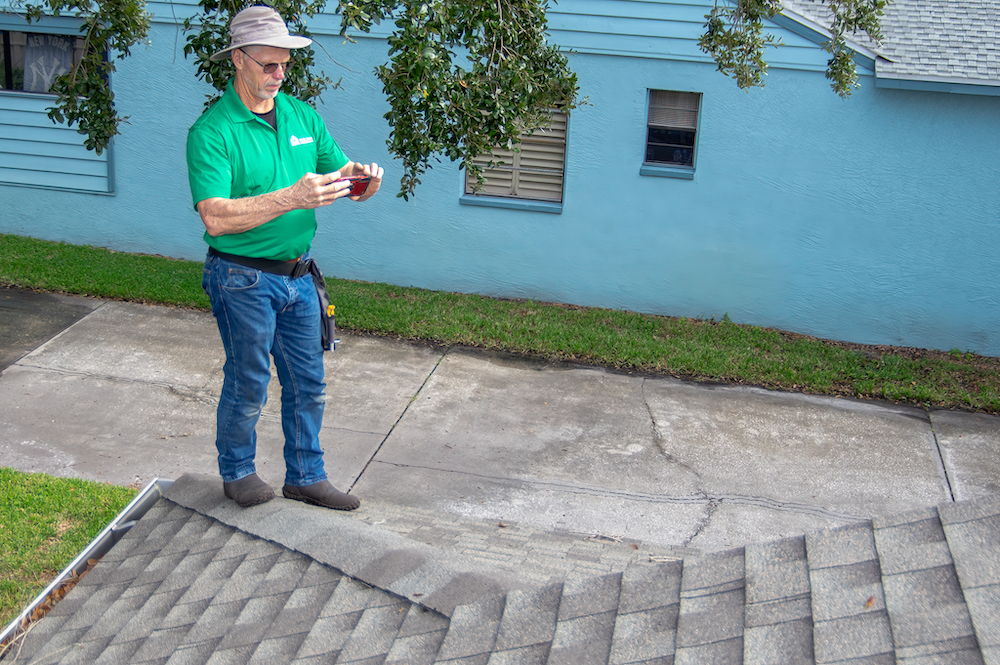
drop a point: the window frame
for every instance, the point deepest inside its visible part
(667, 169)
(539, 147)
(6, 50)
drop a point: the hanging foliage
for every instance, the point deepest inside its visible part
(734, 37)
(851, 16)
(83, 95)
(463, 76)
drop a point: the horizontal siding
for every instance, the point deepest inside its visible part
(42, 134)
(691, 11)
(83, 183)
(627, 18)
(11, 19)
(647, 46)
(658, 29)
(38, 119)
(57, 166)
(29, 103)
(75, 151)
(642, 28)
(323, 24)
(35, 151)
(625, 27)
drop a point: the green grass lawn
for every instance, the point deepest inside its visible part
(660, 345)
(47, 522)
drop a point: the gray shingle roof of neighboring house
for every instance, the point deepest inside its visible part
(199, 580)
(941, 42)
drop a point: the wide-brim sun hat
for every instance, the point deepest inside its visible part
(259, 26)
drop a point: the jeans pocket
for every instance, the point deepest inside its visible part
(236, 279)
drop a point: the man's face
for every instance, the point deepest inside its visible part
(251, 74)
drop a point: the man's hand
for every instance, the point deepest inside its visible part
(315, 190)
(372, 170)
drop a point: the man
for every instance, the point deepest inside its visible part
(260, 162)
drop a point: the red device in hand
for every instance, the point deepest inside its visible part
(359, 183)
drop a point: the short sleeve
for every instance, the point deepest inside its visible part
(210, 171)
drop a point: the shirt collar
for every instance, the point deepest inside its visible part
(237, 109)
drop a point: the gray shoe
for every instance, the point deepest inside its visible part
(322, 494)
(249, 491)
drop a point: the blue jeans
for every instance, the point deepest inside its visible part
(260, 315)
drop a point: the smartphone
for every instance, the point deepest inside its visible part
(360, 185)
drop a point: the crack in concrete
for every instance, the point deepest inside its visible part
(702, 524)
(939, 459)
(180, 390)
(657, 436)
(403, 413)
(193, 395)
(645, 497)
(658, 439)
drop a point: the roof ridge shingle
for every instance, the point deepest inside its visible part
(927, 611)
(778, 617)
(710, 625)
(848, 602)
(972, 531)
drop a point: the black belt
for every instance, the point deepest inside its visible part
(294, 268)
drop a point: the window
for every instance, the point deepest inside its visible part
(30, 61)
(34, 151)
(532, 173)
(671, 131)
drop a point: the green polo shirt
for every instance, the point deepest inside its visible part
(231, 153)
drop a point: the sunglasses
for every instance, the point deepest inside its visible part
(272, 67)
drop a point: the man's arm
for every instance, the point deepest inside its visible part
(223, 216)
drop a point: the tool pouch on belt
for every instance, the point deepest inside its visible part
(327, 324)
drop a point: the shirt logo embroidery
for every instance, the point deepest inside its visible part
(305, 140)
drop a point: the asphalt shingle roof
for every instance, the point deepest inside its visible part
(199, 580)
(931, 40)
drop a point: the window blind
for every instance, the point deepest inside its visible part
(535, 171)
(673, 110)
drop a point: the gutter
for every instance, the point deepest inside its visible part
(97, 548)
(901, 81)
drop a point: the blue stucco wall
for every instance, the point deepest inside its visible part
(871, 220)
